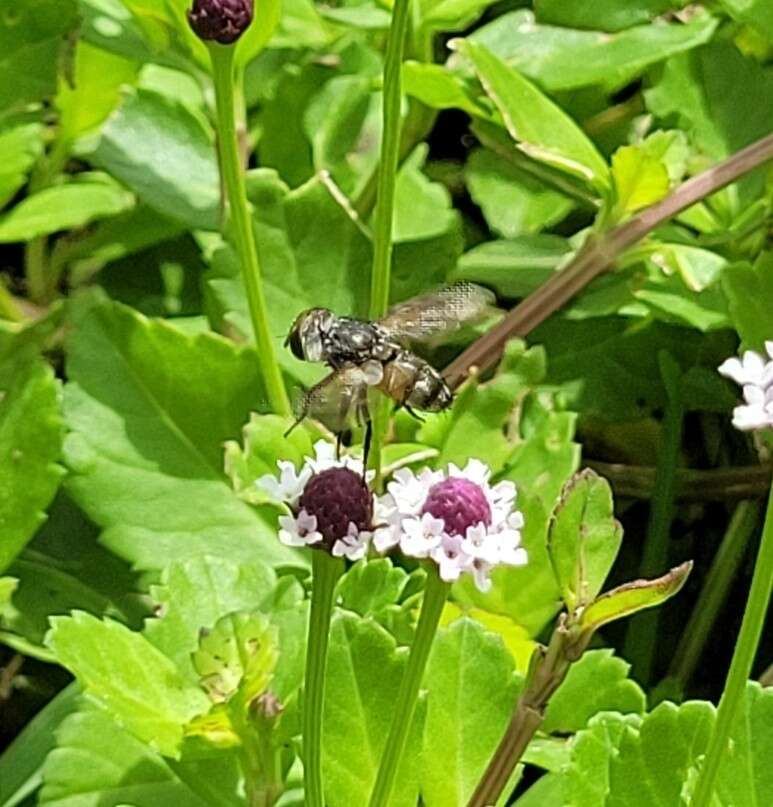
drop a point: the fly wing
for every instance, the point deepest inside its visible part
(438, 312)
(339, 401)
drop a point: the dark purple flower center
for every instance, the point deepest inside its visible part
(459, 502)
(222, 20)
(337, 497)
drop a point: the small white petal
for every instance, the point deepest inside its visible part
(451, 560)
(747, 370)
(514, 556)
(386, 538)
(475, 470)
(353, 545)
(753, 395)
(420, 535)
(269, 484)
(306, 522)
(751, 418)
(481, 572)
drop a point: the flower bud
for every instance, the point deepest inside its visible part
(337, 498)
(223, 21)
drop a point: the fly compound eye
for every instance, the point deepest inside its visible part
(295, 342)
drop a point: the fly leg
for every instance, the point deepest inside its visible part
(366, 441)
(412, 413)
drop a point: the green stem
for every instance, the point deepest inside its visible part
(435, 594)
(325, 573)
(714, 591)
(641, 635)
(741, 665)
(244, 235)
(387, 180)
(8, 308)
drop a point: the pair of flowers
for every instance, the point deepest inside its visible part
(456, 518)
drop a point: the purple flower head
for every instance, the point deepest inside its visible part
(331, 506)
(337, 498)
(456, 519)
(223, 21)
(459, 503)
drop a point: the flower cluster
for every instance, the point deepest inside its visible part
(454, 518)
(330, 502)
(755, 375)
(457, 519)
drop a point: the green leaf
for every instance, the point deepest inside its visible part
(546, 790)
(472, 692)
(65, 207)
(30, 446)
(63, 569)
(757, 13)
(560, 58)
(264, 441)
(745, 776)
(512, 202)
(148, 409)
(601, 15)
(640, 179)
(367, 16)
(439, 88)
(195, 593)
(22, 761)
(96, 763)
(597, 682)
(749, 290)
(680, 298)
(238, 656)
(94, 92)
(21, 145)
(632, 597)
(126, 674)
(541, 129)
(370, 585)
(585, 780)
(33, 41)
(627, 761)
(165, 153)
(513, 268)
(653, 765)
(700, 90)
(450, 15)
(364, 670)
(261, 29)
(334, 123)
(584, 538)
(606, 364)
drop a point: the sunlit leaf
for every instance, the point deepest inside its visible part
(64, 207)
(363, 676)
(584, 538)
(124, 672)
(472, 691)
(632, 597)
(540, 128)
(148, 409)
(597, 682)
(30, 447)
(33, 42)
